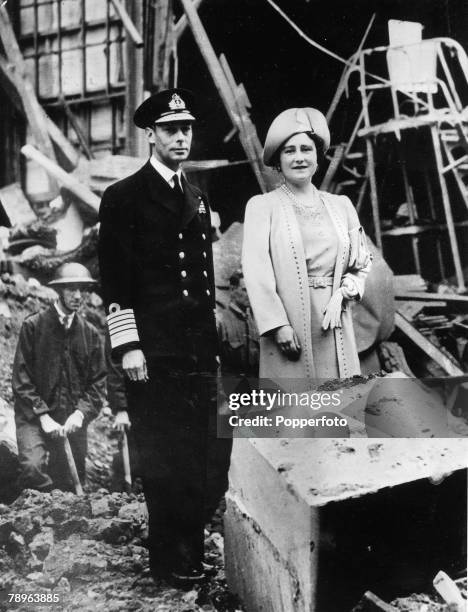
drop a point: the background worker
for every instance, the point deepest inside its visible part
(59, 377)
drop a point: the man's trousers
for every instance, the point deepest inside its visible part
(42, 459)
(182, 463)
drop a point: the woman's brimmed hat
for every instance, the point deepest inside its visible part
(294, 121)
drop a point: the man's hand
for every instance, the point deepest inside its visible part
(50, 427)
(121, 422)
(74, 422)
(134, 365)
(332, 315)
(288, 342)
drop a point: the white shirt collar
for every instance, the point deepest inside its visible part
(65, 319)
(165, 172)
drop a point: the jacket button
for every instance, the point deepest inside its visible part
(203, 236)
(181, 255)
(183, 273)
(205, 273)
(204, 254)
(208, 292)
(185, 292)
(181, 236)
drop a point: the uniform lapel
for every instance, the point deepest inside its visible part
(192, 203)
(159, 190)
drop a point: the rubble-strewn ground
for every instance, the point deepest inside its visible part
(88, 553)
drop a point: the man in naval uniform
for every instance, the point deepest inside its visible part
(158, 287)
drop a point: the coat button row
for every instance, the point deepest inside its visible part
(185, 292)
(182, 254)
(183, 273)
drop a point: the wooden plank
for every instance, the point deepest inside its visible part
(136, 143)
(25, 88)
(447, 364)
(127, 23)
(343, 82)
(333, 167)
(227, 95)
(67, 155)
(448, 210)
(162, 43)
(182, 23)
(457, 302)
(371, 603)
(89, 199)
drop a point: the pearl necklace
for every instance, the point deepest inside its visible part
(310, 211)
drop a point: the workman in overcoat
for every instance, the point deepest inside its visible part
(158, 286)
(59, 384)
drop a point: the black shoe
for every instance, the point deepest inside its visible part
(209, 570)
(187, 578)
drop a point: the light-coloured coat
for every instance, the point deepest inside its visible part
(275, 273)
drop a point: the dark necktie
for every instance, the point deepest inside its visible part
(178, 188)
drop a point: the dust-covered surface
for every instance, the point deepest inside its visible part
(89, 553)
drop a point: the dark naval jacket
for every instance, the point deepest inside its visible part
(156, 269)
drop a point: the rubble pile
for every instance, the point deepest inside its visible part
(423, 602)
(89, 554)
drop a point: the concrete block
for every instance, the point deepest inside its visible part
(313, 523)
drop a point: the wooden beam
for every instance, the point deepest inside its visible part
(31, 105)
(445, 362)
(448, 210)
(333, 167)
(182, 23)
(162, 43)
(77, 128)
(127, 23)
(347, 70)
(228, 96)
(89, 199)
(458, 303)
(372, 603)
(136, 144)
(67, 156)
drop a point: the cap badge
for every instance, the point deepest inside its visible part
(202, 209)
(176, 103)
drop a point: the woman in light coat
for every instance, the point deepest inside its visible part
(304, 259)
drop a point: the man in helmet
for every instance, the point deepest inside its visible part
(59, 378)
(157, 279)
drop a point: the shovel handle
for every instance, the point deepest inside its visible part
(126, 462)
(72, 466)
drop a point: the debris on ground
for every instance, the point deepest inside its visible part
(90, 553)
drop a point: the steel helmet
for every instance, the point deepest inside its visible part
(72, 274)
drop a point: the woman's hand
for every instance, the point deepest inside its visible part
(332, 315)
(288, 342)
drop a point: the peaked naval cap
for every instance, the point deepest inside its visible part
(165, 106)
